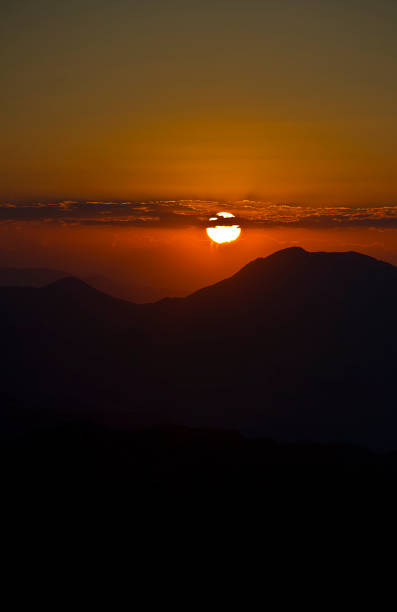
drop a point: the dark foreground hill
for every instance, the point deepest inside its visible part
(91, 459)
(297, 346)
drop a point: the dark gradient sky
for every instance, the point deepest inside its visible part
(278, 101)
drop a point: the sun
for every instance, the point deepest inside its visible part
(224, 233)
(222, 229)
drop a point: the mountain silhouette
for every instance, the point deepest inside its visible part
(295, 275)
(118, 288)
(294, 346)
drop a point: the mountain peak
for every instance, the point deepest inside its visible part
(283, 257)
(286, 255)
(293, 251)
(69, 285)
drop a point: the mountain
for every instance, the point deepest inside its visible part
(295, 346)
(126, 290)
(291, 281)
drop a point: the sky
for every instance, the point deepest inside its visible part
(275, 101)
(125, 125)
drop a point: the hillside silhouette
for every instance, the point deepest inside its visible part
(297, 346)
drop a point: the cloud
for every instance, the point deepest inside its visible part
(183, 213)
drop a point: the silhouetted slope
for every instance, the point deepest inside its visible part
(296, 345)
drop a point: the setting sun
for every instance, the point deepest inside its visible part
(223, 231)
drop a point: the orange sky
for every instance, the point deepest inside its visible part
(281, 101)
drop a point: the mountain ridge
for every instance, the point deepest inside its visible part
(287, 257)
